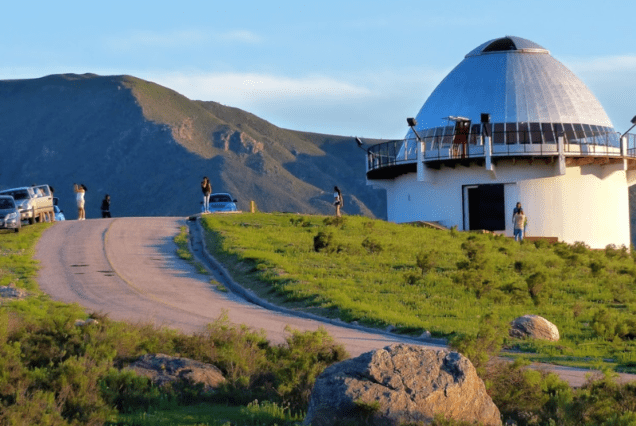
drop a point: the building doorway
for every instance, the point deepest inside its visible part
(484, 207)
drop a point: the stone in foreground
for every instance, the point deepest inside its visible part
(163, 369)
(400, 384)
(535, 327)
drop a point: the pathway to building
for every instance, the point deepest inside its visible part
(128, 269)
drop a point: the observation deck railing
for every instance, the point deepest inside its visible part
(503, 144)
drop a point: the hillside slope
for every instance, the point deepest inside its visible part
(148, 147)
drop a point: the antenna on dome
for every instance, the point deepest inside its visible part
(633, 124)
(412, 123)
(360, 144)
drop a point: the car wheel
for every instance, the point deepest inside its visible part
(17, 230)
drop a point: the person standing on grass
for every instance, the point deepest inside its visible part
(519, 221)
(206, 188)
(337, 200)
(80, 191)
(106, 206)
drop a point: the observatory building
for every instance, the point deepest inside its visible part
(511, 124)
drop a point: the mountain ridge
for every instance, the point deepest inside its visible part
(149, 146)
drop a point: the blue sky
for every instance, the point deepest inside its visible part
(337, 67)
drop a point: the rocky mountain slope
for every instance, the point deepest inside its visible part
(148, 147)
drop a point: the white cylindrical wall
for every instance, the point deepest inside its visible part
(589, 203)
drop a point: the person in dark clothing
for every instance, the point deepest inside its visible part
(106, 206)
(206, 188)
(516, 209)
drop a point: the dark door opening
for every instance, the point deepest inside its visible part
(486, 208)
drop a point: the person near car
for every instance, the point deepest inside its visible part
(106, 206)
(206, 188)
(80, 191)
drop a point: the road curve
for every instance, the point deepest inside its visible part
(128, 268)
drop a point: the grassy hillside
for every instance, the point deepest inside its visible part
(148, 147)
(417, 279)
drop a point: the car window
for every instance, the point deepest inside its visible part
(6, 203)
(45, 190)
(220, 199)
(18, 195)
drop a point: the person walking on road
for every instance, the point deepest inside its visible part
(206, 188)
(106, 206)
(80, 191)
(519, 221)
(337, 200)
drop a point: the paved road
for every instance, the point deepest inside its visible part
(128, 268)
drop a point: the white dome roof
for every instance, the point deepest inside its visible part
(514, 80)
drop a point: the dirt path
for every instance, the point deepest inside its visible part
(128, 268)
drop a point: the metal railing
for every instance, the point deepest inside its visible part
(444, 147)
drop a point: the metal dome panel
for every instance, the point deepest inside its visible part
(522, 85)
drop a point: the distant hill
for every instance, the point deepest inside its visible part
(148, 147)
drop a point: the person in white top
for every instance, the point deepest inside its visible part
(519, 221)
(80, 190)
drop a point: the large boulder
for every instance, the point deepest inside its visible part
(400, 384)
(535, 327)
(163, 369)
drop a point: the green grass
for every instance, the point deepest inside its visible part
(17, 265)
(414, 278)
(183, 251)
(254, 414)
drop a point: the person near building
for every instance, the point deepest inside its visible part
(519, 221)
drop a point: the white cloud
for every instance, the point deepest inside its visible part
(251, 87)
(371, 104)
(603, 64)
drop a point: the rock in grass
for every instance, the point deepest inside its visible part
(163, 369)
(535, 327)
(400, 384)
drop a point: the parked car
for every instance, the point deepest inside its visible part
(222, 202)
(9, 214)
(35, 203)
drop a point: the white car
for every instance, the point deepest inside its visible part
(35, 203)
(222, 202)
(9, 214)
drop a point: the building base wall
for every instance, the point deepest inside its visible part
(589, 203)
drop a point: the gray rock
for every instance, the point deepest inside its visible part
(12, 292)
(425, 335)
(163, 369)
(82, 323)
(400, 384)
(535, 327)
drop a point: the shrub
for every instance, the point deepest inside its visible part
(536, 283)
(371, 245)
(335, 221)
(322, 240)
(426, 260)
(300, 362)
(480, 348)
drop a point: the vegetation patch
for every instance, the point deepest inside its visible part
(416, 278)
